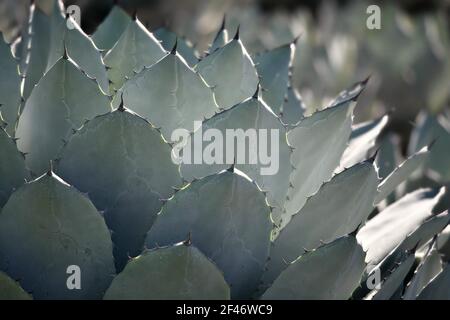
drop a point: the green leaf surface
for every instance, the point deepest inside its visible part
(388, 229)
(319, 142)
(173, 273)
(337, 209)
(111, 28)
(246, 117)
(438, 288)
(11, 290)
(428, 268)
(170, 95)
(136, 48)
(331, 272)
(401, 173)
(183, 46)
(228, 220)
(293, 108)
(47, 226)
(12, 167)
(61, 102)
(10, 81)
(231, 72)
(273, 66)
(125, 166)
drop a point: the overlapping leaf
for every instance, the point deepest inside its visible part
(228, 220)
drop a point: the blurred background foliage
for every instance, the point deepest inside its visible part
(408, 59)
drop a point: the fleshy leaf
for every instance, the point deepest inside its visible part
(180, 272)
(66, 34)
(220, 39)
(438, 288)
(136, 48)
(331, 272)
(389, 156)
(394, 281)
(362, 140)
(220, 212)
(387, 230)
(183, 47)
(170, 95)
(34, 49)
(10, 81)
(230, 71)
(12, 167)
(62, 100)
(427, 130)
(293, 108)
(47, 227)
(273, 67)
(315, 162)
(11, 290)
(429, 268)
(111, 28)
(337, 209)
(401, 173)
(125, 165)
(250, 115)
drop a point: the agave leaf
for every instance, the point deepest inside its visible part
(183, 46)
(362, 140)
(66, 34)
(221, 38)
(430, 228)
(427, 130)
(111, 28)
(170, 95)
(438, 288)
(331, 272)
(11, 290)
(180, 272)
(429, 268)
(389, 155)
(12, 167)
(228, 220)
(273, 67)
(63, 99)
(315, 162)
(47, 226)
(329, 214)
(387, 230)
(401, 173)
(230, 71)
(9, 86)
(443, 243)
(293, 108)
(35, 48)
(250, 115)
(136, 48)
(393, 282)
(124, 164)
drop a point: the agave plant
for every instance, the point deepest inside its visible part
(88, 181)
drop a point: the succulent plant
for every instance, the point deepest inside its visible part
(87, 177)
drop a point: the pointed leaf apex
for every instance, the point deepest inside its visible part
(231, 168)
(188, 241)
(296, 39)
(50, 170)
(174, 49)
(432, 143)
(236, 36)
(355, 232)
(366, 80)
(65, 54)
(256, 94)
(222, 26)
(121, 107)
(134, 15)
